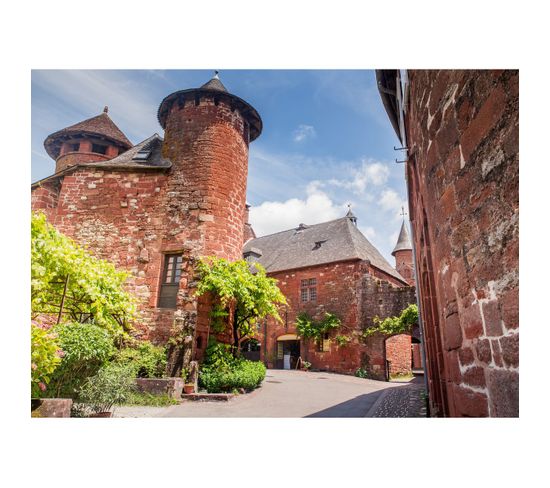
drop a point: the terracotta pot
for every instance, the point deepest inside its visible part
(189, 388)
(102, 415)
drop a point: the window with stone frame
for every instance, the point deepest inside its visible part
(308, 290)
(99, 148)
(169, 286)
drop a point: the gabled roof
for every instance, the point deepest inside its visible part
(403, 242)
(100, 125)
(336, 240)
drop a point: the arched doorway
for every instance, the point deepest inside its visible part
(288, 351)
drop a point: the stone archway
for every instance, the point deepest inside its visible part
(398, 355)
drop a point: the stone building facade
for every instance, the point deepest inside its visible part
(331, 267)
(460, 130)
(154, 207)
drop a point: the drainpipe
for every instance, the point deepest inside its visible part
(265, 342)
(420, 322)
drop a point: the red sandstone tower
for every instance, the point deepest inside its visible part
(92, 140)
(207, 133)
(403, 255)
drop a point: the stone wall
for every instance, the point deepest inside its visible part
(462, 129)
(399, 354)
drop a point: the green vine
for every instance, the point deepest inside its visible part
(394, 325)
(309, 329)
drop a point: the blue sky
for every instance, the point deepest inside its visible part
(326, 141)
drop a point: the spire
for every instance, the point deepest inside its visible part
(404, 241)
(106, 109)
(350, 215)
(215, 83)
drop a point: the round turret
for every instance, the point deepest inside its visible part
(207, 133)
(94, 139)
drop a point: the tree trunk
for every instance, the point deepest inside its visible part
(235, 335)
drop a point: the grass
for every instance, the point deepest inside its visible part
(398, 377)
(149, 400)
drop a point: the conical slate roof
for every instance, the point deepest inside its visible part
(328, 242)
(248, 112)
(100, 125)
(214, 84)
(404, 241)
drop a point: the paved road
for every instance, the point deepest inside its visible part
(287, 394)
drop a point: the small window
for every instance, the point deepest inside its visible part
(324, 344)
(74, 147)
(99, 148)
(199, 342)
(308, 290)
(170, 281)
(142, 155)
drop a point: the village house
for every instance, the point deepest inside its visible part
(153, 207)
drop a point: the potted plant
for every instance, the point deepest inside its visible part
(188, 386)
(109, 387)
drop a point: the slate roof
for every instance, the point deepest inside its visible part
(124, 161)
(100, 125)
(403, 242)
(336, 240)
(213, 86)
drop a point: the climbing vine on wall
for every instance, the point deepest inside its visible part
(310, 329)
(394, 325)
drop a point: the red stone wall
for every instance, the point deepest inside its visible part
(208, 147)
(404, 265)
(348, 290)
(45, 196)
(462, 128)
(399, 355)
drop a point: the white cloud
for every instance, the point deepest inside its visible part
(271, 217)
(304, 132)
(391, 201)
(369, 173)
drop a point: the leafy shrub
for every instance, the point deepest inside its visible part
(45, 357)
(112, 385)
(241, 374)
(147, 360)
(362, 373)
(218, 354)
(394, 325)
(86, 347)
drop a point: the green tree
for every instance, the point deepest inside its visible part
(68, 283)
(245, 294)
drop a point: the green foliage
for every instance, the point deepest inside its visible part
(309, 329)
(241, 374)
(45, 357)
(394, 325)
(86, 347)
(361, 373)
(218, 355)
(147, 360)
(249, 296)
(342, 340)
(94, 287)
(112, 385)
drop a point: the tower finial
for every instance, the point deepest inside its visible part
(216, 74)
(105, 109)
(403, 213)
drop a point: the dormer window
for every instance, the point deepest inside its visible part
(99, 148)
(142, 155)
(252, 255)
(318, 244)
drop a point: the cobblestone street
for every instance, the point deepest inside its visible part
(402, 401)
